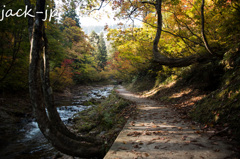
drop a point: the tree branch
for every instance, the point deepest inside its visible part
(179, 28)
(146, 2)
(176, 18)
(172, 62)
(203, 30)
(102, 1)
(16, 48)
(39, 89)
(176, 35)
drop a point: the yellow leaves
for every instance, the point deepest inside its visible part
(216, 117)
(133, 51)
(151, 18)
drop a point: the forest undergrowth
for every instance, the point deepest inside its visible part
(207, 93)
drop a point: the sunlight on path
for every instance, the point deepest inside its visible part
(158, 133)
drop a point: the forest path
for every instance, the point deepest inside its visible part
(157, 132)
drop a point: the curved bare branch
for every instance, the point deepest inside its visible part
(147, 2)
(102, 1)
(203, 30)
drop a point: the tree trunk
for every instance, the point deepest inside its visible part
(173, 62)
(41, 95)
(49, 100)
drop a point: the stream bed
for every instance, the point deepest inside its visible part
(29, 143)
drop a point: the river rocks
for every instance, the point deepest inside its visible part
(19, 134)
(117, 130)
(94, 132)
(67, 93)
(102, 133)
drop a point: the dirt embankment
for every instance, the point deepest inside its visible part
(13, 109)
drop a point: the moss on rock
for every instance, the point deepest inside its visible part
(106, 119)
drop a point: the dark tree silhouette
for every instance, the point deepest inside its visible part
(41, 95)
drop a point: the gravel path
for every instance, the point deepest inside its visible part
(159, 133)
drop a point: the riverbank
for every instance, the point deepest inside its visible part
(13, 109)
(23, 139)
(105, 120)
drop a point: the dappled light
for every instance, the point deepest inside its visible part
(180, 94)
(163, 74)
(158, 131)
(157, 89)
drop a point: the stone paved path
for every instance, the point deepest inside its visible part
(158, 133)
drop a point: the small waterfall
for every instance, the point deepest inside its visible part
(31, 130)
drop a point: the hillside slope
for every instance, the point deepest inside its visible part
(206, 93)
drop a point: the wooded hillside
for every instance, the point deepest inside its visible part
(187, 46)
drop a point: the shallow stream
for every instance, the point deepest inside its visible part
(29, 142)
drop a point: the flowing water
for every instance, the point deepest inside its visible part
(29, 142)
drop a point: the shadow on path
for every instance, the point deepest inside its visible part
(158, 133)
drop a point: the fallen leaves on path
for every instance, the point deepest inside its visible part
(136, 146)
(161, 133)
(132, 123)
(184, 137)
(122, 148)
(134, 134)
(157, 132)
(147, 133)
(146, 154)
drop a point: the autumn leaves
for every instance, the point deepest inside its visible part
(158, 132)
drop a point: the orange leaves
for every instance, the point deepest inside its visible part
(62, 76)
(134, 134)
(69, 22)
(150, 18)
(132, 123)
(147, 133)
(120, 23)
(157, 132)
(105, 27)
